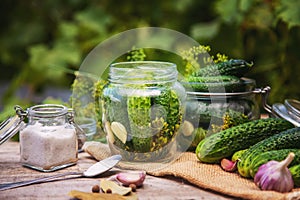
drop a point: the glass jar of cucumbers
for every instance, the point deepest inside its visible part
(210, 112)
(143, 106)
(219, 97)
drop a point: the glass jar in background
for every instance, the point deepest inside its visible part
(211, 112)
(88, 125)
(143, 109)
(48, 142)
(86, 90)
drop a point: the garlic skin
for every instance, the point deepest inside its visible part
(275, 175)
(127, 178)
(228, 165)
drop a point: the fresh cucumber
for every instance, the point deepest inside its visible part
(233, 67)
(284, 140)
(295, 171)
(237, 155)
(215, 84)
(213, 79)
(225, 143)
(277, 155)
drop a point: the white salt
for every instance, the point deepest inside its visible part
(45, 147)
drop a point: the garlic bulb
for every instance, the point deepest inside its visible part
(275, 175)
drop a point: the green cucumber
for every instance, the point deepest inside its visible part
(169, 106)
(139, 108)
(198, 134)
(295, 171)
(233, 67)
(213, 79)
(277, 155)
(286, 139)
(225, 143)
(215, 83)
(237, 155)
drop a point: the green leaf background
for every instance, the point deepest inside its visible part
(44, 42)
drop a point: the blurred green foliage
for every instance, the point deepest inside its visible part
(44, 42)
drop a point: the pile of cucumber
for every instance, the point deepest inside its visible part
(250, 144)
(218, 76)
(254, 144)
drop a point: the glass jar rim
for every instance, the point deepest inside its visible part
(47, 110)
(140, 72)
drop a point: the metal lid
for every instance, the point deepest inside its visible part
(10, 127)
(293, 107)
(289, 111)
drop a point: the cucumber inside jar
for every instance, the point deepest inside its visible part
(211, 119)
(149, 118)
(210, 112)
(203, 112)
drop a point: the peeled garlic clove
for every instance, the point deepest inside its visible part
(187, 128)
(119, 130)
(275, 175)
(110, 134)
(228, 165)
(127, 178)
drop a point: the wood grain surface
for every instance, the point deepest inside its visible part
(154, 187)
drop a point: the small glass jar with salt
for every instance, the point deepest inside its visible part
(48, 141)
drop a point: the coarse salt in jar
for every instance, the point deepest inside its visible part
(48, 142)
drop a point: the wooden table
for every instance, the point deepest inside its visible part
(154, 187)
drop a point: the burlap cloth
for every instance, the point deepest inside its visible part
(205, 176)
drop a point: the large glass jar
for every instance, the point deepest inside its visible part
(211, 112)
(143, 110)
(48, 141)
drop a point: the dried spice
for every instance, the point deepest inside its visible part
(114, 187)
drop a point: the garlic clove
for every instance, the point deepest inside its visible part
(187, 128)
(228, 165)
(127, 178)
(275, 175)
(110, 135)
(119, 130)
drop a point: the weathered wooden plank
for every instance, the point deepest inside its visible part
(154, 187)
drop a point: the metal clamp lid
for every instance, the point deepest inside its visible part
(293, 107)
(81, 136)
(289, 111)
(12, 125)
